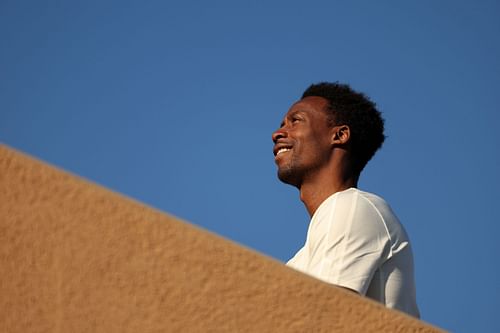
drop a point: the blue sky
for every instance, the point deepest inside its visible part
(174, 105)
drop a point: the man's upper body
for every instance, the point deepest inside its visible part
(354, 239)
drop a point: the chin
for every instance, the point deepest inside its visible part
(287, 176)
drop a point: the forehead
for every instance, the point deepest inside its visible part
(310, 105)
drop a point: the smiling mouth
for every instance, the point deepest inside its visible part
(282, 150)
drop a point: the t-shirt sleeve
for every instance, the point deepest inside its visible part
(297, 262)
(356, 243)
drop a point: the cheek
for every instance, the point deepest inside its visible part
(320, 149)
(312, 147)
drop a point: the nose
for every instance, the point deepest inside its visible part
(278, 134)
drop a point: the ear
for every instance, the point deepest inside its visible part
(340, 135)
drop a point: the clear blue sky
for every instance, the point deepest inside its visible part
(174, 105)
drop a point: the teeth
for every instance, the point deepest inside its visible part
(282, 150)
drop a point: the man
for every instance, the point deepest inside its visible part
(354, 239)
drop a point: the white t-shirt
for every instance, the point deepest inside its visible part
(355, 241)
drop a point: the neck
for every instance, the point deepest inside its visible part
(316, 190)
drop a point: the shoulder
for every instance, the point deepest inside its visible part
(365, 212)
(353, 192)
(356, 206)
(353, 209)
(370, 197)
(371, 202)
(386, 216)
(359, 199)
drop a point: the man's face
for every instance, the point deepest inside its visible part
(302, 145)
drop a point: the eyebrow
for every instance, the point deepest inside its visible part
(291, 114)
(297, 112)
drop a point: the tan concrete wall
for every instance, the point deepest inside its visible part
(75, 257)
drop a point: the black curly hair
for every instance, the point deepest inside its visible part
(354, 109)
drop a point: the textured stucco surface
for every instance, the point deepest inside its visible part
(75, 257)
